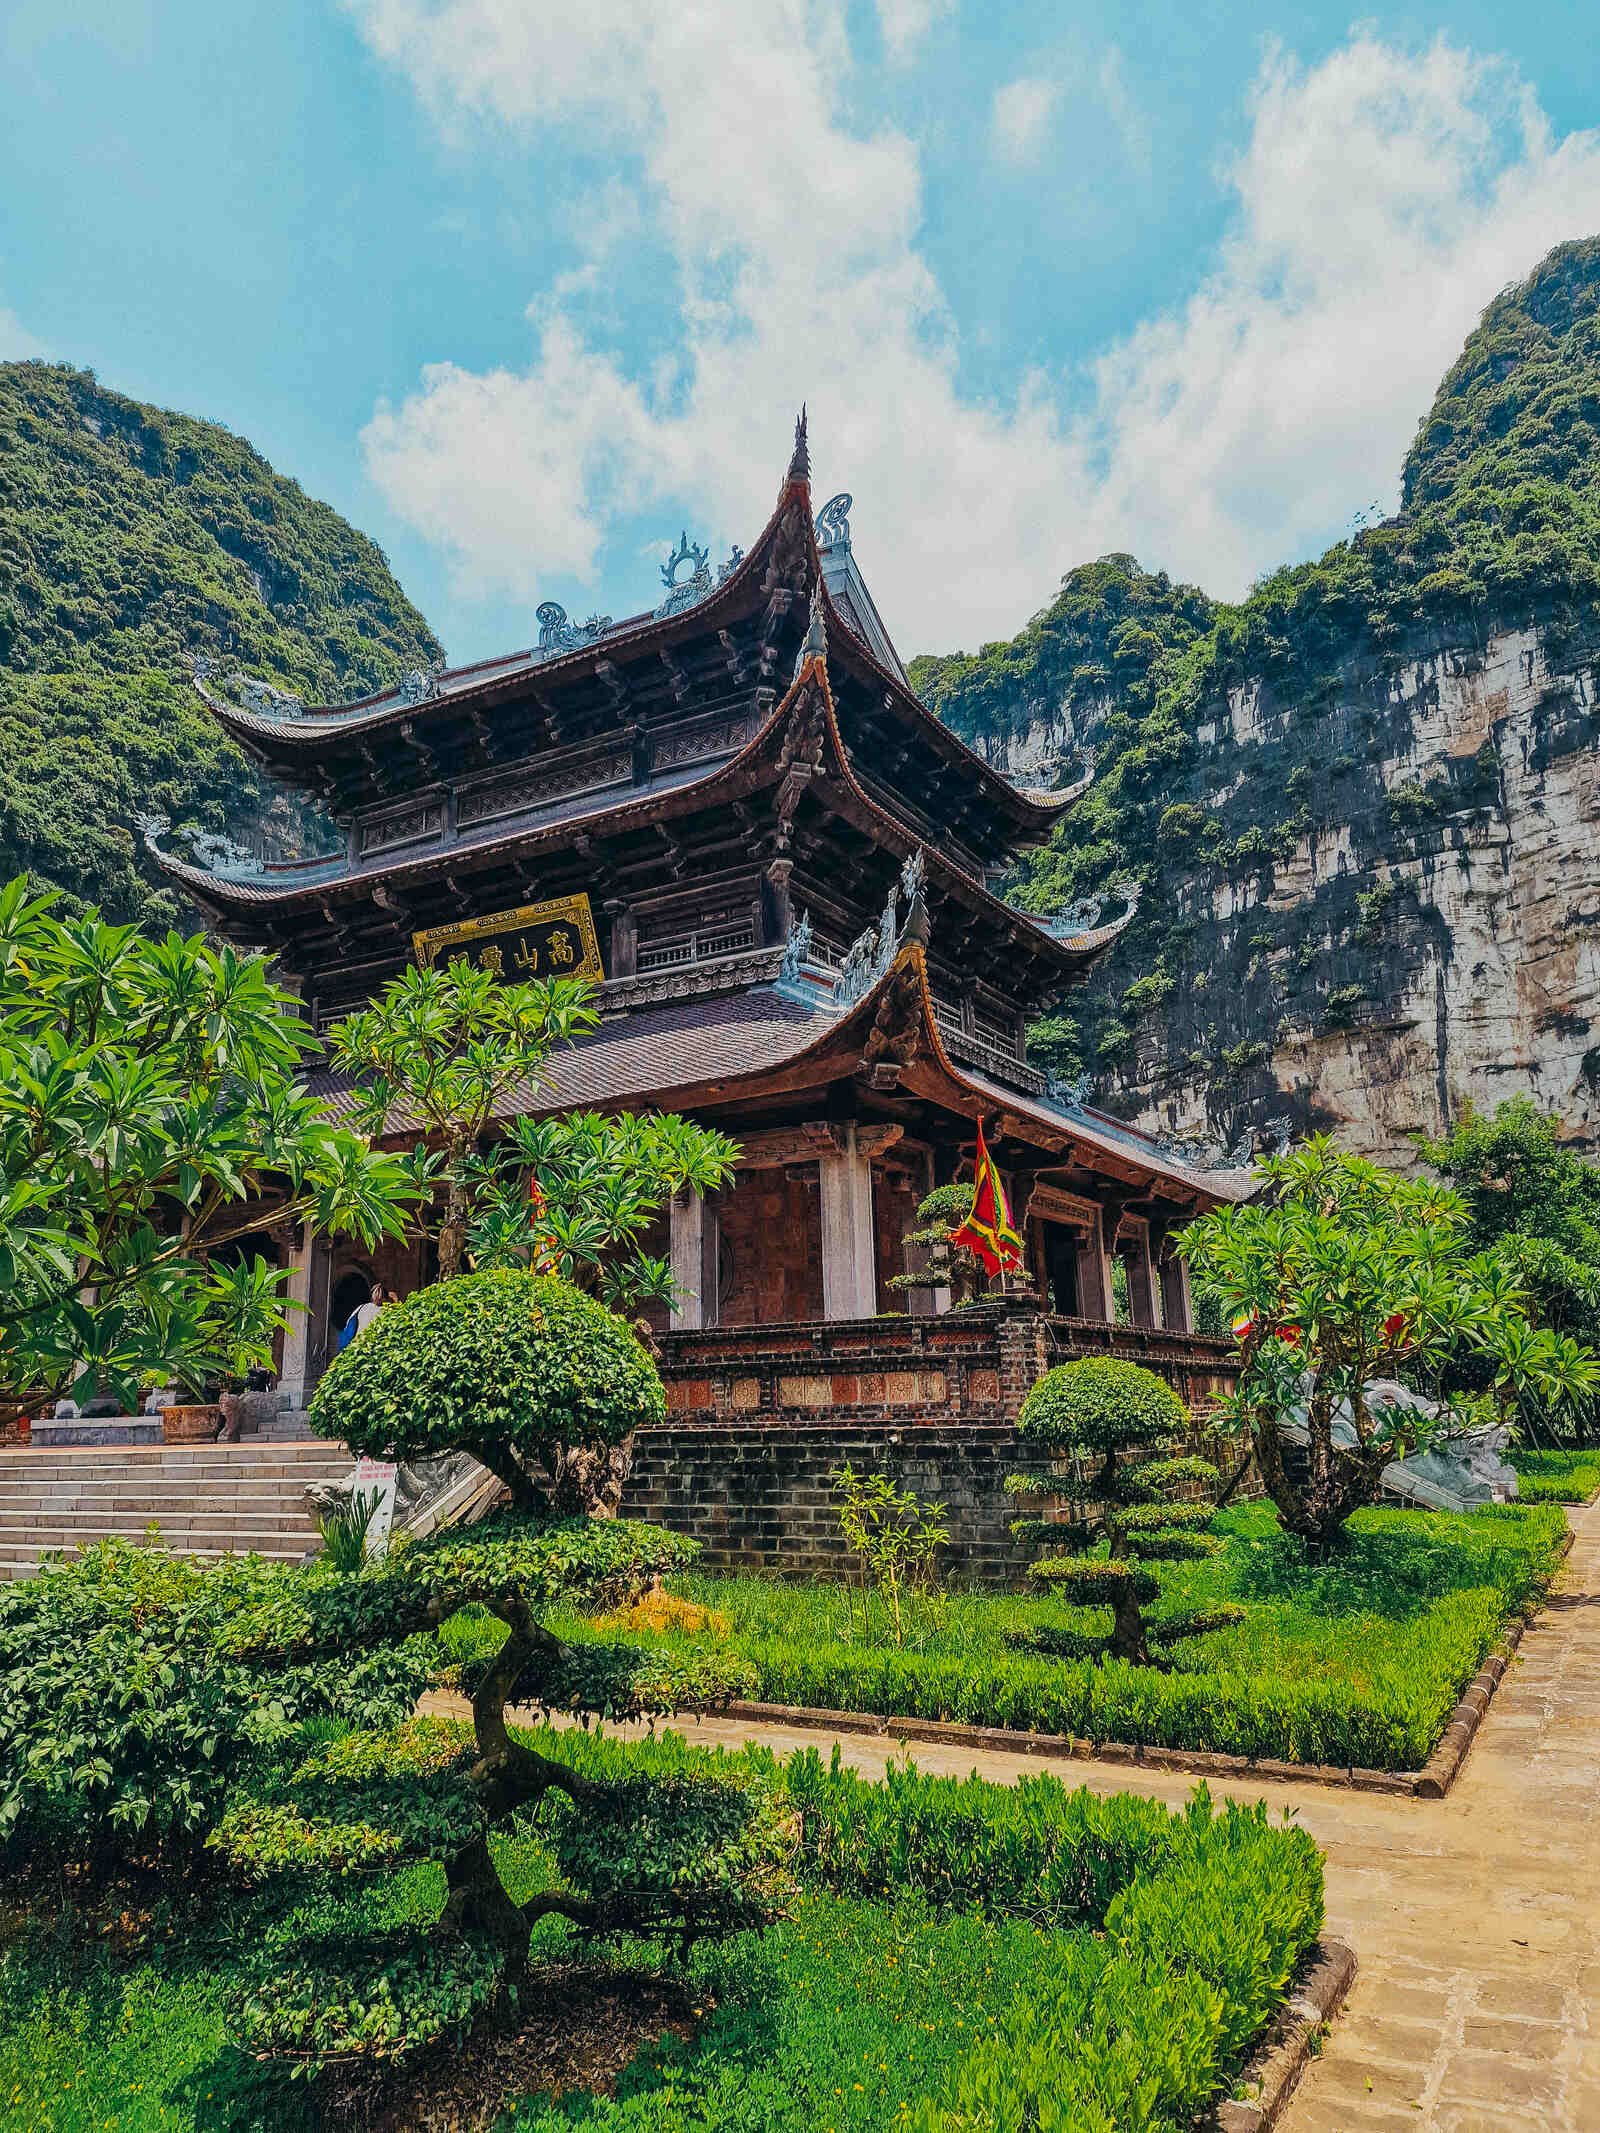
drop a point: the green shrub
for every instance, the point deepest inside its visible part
(522, 1369)
(126, 1718)
(1100, 1420)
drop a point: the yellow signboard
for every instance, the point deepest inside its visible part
(553, 940)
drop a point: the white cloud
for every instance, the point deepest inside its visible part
(904, 23)
(1379, 199)
(1021, 115)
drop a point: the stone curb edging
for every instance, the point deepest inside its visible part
(1431, 1782)
(1274, 2072)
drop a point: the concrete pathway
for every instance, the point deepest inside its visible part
(1476, 1918)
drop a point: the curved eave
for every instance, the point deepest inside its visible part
(369, 715)
(1119, 1151)
(1033, 811)
(897, 837)
(691, 789)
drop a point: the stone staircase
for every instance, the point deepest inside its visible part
(206, 1499)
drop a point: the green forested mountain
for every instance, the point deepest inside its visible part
(132, 539)
(1311, 784)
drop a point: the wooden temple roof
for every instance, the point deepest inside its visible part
(733, 641)
(779, 1041)
(797, 763)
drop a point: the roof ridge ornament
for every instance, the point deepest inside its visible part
(800, 458)
(815, 644)
(557, 634)
(685, 591)
(1083, 914)
(873, 950)
(833, 521)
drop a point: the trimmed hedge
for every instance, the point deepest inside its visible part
(1358, 1661)
(1174, 1937)
(1556, 1477)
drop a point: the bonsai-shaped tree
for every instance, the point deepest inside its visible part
(1338, 1275)
(1108, 1428)
(526, 1367)
(447, 1052)
(540, 1383)
(944, 1265)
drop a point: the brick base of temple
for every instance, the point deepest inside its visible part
(760, 1418)
(762, 1499)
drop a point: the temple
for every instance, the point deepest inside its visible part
(734, 812)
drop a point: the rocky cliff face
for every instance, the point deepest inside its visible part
(1428, 938)
(1364, 805)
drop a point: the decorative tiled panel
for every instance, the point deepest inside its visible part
(386, 831)
(691, 744)
(511, 795)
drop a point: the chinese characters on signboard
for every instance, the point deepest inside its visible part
(552, 940)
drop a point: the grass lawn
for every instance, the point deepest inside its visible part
(1556, 1477)
(904, 1989)
(1356, 1661)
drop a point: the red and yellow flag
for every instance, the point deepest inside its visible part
(988, 1229)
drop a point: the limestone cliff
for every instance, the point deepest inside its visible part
(1365, 804)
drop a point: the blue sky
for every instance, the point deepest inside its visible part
(523, 288)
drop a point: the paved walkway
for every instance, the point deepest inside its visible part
(1476, 1918)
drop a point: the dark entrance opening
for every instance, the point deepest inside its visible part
(1061, 1269)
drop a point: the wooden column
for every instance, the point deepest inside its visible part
(849, 1254)
(1141, 1274)
(1177, 1306)
(694, 1261)
(1094, 1271)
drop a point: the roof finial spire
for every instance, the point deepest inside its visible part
(800, 458)
(816, 638)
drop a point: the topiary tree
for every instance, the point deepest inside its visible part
(674, 1858)
(540, 1383)
(940, 1214)
(1107, 1426)
(543, 1384)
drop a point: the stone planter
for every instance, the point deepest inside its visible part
(189, 1425)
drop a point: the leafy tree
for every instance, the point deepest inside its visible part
(1109, 1428)
(576, 1195)
(1534, 1202)
(151, 1124)
(543, 1385)
(1341, 1273)
(444, 1051)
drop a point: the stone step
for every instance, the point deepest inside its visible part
(21, 1468)
(206, 1500)
(136, 1518)
(261, 1494)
